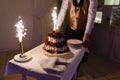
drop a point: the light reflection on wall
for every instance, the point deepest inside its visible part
(99, 13)
(98, 18)
(115, 16)
(112, 2)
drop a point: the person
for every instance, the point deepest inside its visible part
(80, 16)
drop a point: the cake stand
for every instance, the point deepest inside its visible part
(66, 55)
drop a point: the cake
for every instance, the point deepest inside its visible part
(55, 43)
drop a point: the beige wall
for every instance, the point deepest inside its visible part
(9, 12)
(42, 20)
(36, 17)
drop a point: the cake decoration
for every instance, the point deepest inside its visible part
(55, 43)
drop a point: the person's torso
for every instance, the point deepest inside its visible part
(77, 13)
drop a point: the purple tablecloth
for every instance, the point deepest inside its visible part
(34, 69)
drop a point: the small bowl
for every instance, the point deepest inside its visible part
(74, 43)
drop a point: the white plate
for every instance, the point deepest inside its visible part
(74, 43)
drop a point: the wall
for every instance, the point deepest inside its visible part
(9, 12)
(106, 38)
(42, 20)
(37, 19)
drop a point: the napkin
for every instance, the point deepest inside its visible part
(48, 62)
(52, 64)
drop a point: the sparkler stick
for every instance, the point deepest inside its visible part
(21, 47)
(20, 33)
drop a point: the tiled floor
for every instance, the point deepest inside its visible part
(97, 68)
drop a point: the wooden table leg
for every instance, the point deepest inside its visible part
(24, 77)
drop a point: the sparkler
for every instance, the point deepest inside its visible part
(54, 15)
(20, 33)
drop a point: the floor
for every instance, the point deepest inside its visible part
(96, 68)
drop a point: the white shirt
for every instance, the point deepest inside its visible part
(90, 19)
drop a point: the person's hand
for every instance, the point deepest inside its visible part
(57, 30)
(86, 40)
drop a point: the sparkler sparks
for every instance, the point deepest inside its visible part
(54, 15)
(20, 29)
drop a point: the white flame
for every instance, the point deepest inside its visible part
(54, 15)
(20, 29)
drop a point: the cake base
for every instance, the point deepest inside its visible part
(24, 58)
(67, 54)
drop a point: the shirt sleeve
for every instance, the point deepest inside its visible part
(91, 16)
(62, 13)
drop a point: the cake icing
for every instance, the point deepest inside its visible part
(55, 43)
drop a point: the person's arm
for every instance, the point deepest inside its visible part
(91, 16)
(62, 13)
(90, 22)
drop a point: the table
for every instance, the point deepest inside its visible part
(33, 68)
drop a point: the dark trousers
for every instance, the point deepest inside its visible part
(76, 34)
(73, 34)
